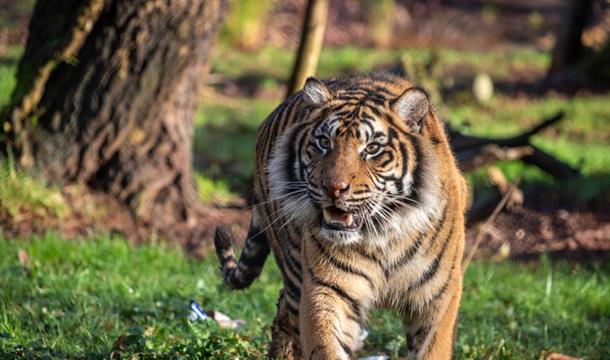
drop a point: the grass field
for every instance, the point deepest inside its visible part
(86, 297)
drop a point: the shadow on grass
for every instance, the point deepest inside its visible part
(8, 61)
(226, 153)
(225, 139)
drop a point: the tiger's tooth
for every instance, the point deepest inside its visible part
(349, 220)
(327, 217)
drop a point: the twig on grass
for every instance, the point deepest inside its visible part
(485, 227)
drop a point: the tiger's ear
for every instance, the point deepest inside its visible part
(316, 93)
(412, 106)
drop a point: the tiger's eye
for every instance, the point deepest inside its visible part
(372, 148)
(324, 143)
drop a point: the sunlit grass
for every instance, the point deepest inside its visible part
(276, 63)
(26, 196)
(76, 298)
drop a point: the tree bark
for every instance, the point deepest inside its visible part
(106, 91)
(310, 46)
(568, 45)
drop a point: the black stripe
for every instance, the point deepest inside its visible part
(375, 111)
(376, 100)
(292, 155)
(277, 120)
(298, 160)
(433, 269)
(366, 190)
(405, 166)
(292, 310)
(293, 265)
(445, 286)
(417, 172)
(292, 289)
(339, 264)
(344, 346)
(389, 160)
(438, 226)
(255, 257)
(415, 341)
(407, 255)
(353, 304)
(383, 89)
(315, 350)
(342, 332)
(370, 257)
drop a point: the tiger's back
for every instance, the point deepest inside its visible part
(358, 195)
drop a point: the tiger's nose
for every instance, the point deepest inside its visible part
(335, 189)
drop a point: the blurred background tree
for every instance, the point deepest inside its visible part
(380, 16)
(310, 45)
(568, 49)
(245, 21)
(105, 95)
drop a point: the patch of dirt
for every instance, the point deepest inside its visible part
(526, 234)
(93, 212)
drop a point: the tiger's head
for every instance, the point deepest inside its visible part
(357, 167)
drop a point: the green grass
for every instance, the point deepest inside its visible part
(214, 191)
(276, 63)
(26, 196)
(8, 68)
(76, 298)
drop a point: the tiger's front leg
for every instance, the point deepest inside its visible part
(432, 336)
(330, 319)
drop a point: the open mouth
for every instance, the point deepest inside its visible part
(338, 219)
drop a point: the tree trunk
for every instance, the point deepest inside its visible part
(568, 45)
(106, 91)
(310, 46)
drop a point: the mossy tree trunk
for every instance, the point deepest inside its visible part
(106, 91)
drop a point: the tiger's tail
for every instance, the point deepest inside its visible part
(239, 274)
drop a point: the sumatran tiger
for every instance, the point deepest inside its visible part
(357, 192)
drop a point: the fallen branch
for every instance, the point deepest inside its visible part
(488, 154)
(485, 228)
(549, 164)
(461, 142)
(474, 151)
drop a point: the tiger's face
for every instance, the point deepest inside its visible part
(358, 163)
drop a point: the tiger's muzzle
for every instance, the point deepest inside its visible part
(335, 218)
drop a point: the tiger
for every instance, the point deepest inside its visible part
(359, 196)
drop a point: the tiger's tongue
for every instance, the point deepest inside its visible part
(335, 216)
